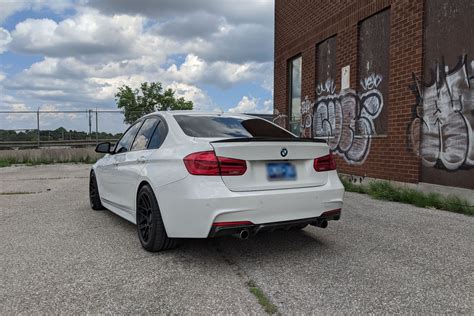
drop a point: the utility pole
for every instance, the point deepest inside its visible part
(38, 125)
(96, 127)
(90, 124)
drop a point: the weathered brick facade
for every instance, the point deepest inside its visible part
(301, 25)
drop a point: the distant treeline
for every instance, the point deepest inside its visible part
(57, 134)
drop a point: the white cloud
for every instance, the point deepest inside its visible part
(214, 39)
(201, 100)
(51, 107)
(252, 105)
(10, 7)
(235, 11)
(199, 24)
(237, 44)
(246, 105)
(267, 106)
(5, 39)
(9, 103)
(90, 53)
(223, 74)
(105, 88)
(74, 80)
(87, 33)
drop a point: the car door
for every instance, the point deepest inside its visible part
(130, 164)
(104, 171)
(113, 189)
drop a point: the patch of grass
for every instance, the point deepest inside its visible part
(6, 162)
(262, 298)
(384, 190)
(9, 161)
(458, 205)
(351, 187)
(16, 193)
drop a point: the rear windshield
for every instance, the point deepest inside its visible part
(228, 127)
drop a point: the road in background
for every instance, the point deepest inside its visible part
(58, 255)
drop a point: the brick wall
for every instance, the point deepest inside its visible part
(301, 25)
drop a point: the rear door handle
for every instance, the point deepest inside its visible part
(141, 159)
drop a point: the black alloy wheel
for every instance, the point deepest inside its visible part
(144, 217)
(150, 227)
(94, 197)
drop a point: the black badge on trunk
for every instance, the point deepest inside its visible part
(284, 152)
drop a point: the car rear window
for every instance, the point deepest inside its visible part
(229, 127)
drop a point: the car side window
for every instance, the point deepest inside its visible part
(126, 141)
(158, 136)
(144, 135)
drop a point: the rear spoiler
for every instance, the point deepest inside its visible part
(270, 139)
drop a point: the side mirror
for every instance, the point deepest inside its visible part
(103, 148)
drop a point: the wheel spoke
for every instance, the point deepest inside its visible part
(146, 233)
(142, 211)
(147, 201)
(144, 216)
(92, 187)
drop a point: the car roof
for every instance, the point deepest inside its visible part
(198, 113)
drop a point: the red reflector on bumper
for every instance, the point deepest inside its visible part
(226, 224)
(332, 212)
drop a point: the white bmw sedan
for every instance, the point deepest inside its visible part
(186, 174)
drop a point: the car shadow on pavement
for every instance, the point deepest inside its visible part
(275, 245)
(267, 245)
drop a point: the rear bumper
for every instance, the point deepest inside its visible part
(253, 229)
(190, 206)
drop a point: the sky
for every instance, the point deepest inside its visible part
(74, 54)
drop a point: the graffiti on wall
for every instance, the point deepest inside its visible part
(345, 119)
(445, 118)
(306, 117)
(279, 118)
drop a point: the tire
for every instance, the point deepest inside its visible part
(94, 196)
(150, 227)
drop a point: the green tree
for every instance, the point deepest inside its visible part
(149, 98)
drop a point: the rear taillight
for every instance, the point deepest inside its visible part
(231, 166)
(230, 224)
(206, 163)
(325, 163)
(202, 163)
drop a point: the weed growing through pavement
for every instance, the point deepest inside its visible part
(262, 298)
(384, 190)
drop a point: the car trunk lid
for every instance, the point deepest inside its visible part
(273, 163)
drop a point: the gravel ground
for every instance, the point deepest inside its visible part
(59, 256)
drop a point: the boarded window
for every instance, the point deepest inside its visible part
(295, 94)
(326, 107)
(373, 70)
(445, 106)
(326, 70)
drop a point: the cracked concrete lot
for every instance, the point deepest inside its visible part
(59, 256)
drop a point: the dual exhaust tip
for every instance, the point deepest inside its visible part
(244, 234)
(322, 223)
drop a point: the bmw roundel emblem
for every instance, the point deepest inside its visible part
(284, 152)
